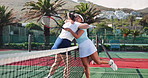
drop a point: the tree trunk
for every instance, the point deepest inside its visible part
(131, 23)
(1, 38)
(134, 39)
(46, 21)
(47, 36)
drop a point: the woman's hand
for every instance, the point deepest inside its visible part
(67, 29)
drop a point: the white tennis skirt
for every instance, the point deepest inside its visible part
(86, 48)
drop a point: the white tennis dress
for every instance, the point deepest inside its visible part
(86, 46)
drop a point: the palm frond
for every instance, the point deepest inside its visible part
(43, 7)
(88, 11)
(6, 16)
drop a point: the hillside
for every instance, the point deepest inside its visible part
(144, 11)
(17, 5)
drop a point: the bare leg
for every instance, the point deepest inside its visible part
(55, 65)
(67, 68)
(97, 60)
(85, 62)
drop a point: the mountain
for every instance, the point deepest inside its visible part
(17, 5)
(144, 11)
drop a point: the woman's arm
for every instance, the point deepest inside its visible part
(80, 32)
(84, 26)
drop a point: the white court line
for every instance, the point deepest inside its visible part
(117, 73)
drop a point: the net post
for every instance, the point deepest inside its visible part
(67, 63)
(75, 43)
(29, 43)
(97, 43)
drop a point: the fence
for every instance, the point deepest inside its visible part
(19, 35)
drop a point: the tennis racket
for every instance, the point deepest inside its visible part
(50, 22)
(111, 62)
(104, 48)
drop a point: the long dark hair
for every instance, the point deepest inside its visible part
(71, 16)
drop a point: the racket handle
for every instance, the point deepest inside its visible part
(62, 27)
(104, 49)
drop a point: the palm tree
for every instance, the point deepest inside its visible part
(136, 33)
(131, 20)
(33, 26)
(43, 8)
(6, 18)
(88, 11)
(125, 31)
(144, 21)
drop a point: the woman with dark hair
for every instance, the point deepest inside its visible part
(87, 49)
(63, 41)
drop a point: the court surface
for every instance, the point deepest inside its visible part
(130, 65)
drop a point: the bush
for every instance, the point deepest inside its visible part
(34, 46)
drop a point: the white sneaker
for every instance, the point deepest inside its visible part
(92, 62)
(113, 65)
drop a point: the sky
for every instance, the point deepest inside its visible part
(133, 4)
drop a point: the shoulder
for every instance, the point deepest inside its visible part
(78, 23)
(67, 24)
(81, 30)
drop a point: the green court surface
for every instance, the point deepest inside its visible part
(37, 67)
(124, 54)
(106, 72)
(12, 51)
(96, 72)
(35, 72)
(120, 73)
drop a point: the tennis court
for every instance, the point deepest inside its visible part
(7, 51)
(36, 64)
(130, 65)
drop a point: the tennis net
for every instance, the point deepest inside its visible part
(37, 64)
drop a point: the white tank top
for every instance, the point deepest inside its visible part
(67, 35)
